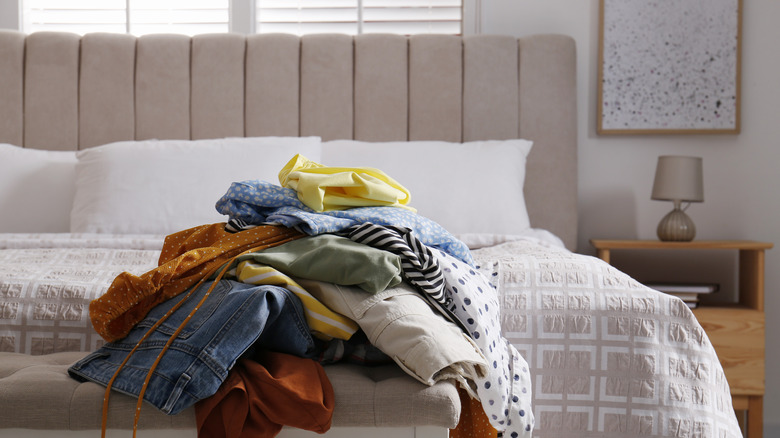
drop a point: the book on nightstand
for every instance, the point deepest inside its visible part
(688, 292)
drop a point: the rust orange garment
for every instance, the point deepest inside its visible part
(473, 421)
(187, 257)
(257, 399)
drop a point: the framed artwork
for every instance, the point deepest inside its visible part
(669, 67)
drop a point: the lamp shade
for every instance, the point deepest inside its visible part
(678, 178)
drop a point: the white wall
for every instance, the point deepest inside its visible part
(741, 172)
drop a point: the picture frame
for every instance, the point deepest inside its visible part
(669, 67)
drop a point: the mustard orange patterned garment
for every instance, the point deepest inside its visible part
(187, 256)
(473, 421)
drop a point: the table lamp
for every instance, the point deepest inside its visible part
(678, 179)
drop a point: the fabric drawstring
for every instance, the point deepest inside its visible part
(137, 416)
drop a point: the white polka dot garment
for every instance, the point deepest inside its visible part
(505, 393)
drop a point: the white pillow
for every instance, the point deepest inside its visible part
(474, 187)
(164, 186)
(36, 189)
(538, 235)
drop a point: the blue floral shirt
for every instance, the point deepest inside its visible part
(259, 202)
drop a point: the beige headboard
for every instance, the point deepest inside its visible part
(64, 91)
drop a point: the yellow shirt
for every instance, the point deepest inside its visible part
(324, 188)
(323, 322)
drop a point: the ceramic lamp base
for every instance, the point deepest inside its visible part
(676, 227)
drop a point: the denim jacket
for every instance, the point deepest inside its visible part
(235, 319)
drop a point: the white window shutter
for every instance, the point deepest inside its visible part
(137, 17)
(187, 17)
(359, 16)
(412, 16)
(77, 16)
(191, 17)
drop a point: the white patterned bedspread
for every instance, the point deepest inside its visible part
(609, 357)
(48, 280)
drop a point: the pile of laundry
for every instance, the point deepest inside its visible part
(333, 264)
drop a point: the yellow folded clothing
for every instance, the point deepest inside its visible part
(324, 188)
(323, 322)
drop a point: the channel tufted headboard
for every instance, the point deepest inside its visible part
(61, 91)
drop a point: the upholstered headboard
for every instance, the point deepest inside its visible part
(61, 91)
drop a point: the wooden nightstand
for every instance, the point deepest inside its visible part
(736, 331)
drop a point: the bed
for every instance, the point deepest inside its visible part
(112, 144)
